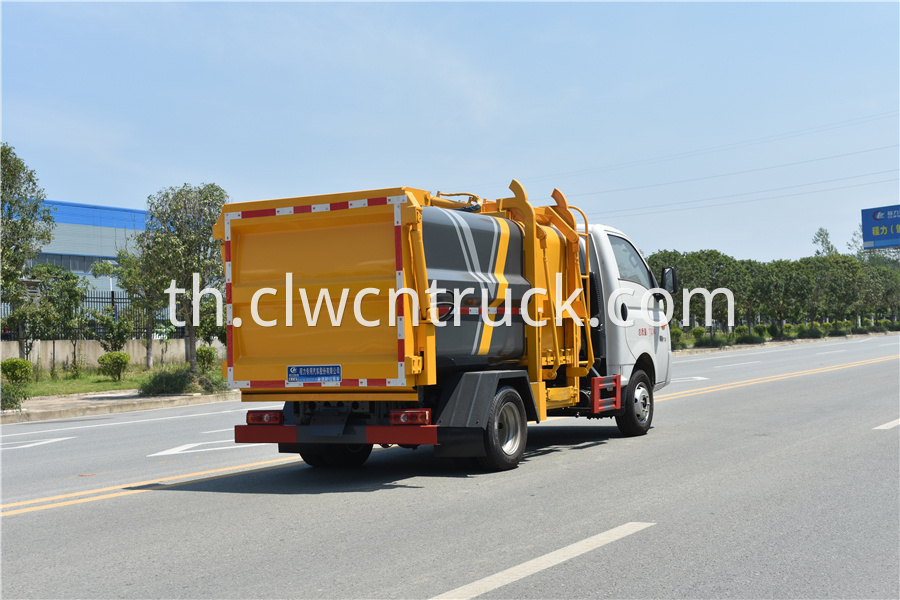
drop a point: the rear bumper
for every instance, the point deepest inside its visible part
(353, 434)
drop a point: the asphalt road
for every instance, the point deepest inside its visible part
(768, 473)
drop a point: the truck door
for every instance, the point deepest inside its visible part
(642, 336)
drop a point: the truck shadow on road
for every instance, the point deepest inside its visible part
(393, 468)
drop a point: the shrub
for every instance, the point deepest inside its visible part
(206, 358)
(827, 327)
(867, 322)
(788, 329)
(895, 326)
(708, 342)
(114, 364)
(774, 331)
(741, 330)
(172, 380)
(750, 339)
(698, 332)
(12, 395)
(678, 342)
(16, 370)
(212, 382)
(180, 380)
(837, 333)
(811, 333)
(859, 330)
(760, 330)
(115, 331)
(801, 330)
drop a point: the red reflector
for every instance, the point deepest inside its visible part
(265, 417)
(413, 416)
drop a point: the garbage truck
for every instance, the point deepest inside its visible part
(398, 317)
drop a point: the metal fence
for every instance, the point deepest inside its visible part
(95, 300)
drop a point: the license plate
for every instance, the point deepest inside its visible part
(313, 373)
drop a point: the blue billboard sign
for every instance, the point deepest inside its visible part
(881, 227)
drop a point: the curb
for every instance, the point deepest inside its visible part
(110, 407)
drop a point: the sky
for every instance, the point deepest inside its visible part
(730, 126)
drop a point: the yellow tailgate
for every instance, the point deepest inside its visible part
(339, 243)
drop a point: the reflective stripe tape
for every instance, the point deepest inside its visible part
(396, 201)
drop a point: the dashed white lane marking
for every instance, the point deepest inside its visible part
(830, 352)
(219, 430)
(686, 379)
(752, 362)
(890, 425)
(25, 444)
(188, 448)
(492, 582)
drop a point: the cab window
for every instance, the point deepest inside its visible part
(631, 265)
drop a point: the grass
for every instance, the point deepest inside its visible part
(92, 381)
(88, 382)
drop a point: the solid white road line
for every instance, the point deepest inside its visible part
(830, 352)
(753, 362)
(482, 586)
(890, 425)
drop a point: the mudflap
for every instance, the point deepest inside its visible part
(464, 407)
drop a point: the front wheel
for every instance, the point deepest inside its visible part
(637, 406)
(506, 433)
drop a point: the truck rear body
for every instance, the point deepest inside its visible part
(370, 315)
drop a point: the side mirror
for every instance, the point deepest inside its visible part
(669, 280)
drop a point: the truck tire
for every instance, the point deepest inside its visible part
(637, 406)
(506, 432)
(339, 456)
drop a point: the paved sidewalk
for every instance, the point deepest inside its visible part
(42, 408)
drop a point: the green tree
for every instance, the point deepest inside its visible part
(877, 257)
(708, 269)
(669, 258)
(208, 330)
(784, 284)
(178, 235)
(26, 222)
(62, 304)
(143, 280)
(746, 278)
(822, 239)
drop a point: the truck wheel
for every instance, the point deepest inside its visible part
(506, 433)
(335, 455)
(344, 456)
(312, 455)
(637, 406)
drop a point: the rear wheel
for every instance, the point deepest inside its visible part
(506, 433)
(339, 456)
(637, 406)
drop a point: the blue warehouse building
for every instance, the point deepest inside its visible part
(86, 233)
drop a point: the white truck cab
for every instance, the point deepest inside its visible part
(628, 342)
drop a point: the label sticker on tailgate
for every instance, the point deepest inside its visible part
(313, 373)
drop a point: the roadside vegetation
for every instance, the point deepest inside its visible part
(17, 387)
(827, 294)
(701, 337)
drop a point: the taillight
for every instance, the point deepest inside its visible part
(412, 416)
(265, 417)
